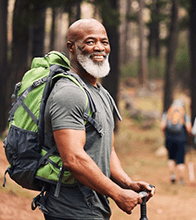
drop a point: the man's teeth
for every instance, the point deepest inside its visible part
(98, 57)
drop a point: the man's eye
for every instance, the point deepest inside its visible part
(90, 42)
(105, 43)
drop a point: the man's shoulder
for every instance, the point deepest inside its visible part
(67, 91)
(67, 85)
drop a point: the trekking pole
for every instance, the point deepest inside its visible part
(143, 206)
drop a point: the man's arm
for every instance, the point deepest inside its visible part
(119, 176)
(188, 127)
(70, 144)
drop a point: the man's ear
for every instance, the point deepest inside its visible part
(70, 46)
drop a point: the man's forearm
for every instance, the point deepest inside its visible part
(118, 175)
(88, 173)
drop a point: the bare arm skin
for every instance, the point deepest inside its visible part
(70, 144)
(188, 127)
(163, 125)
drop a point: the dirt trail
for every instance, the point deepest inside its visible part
(171, 202)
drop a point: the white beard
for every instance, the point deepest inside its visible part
(95, 69)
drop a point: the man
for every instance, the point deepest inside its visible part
(175, 142)
(89, 157)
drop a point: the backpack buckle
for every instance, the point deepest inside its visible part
(16, 88)
(39, 82)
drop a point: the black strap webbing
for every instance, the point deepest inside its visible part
(91, 105)
(43, 158)
(58, 185)
(112, 101)
(29, 112)
(20, 101)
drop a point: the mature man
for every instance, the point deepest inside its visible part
(89, 156)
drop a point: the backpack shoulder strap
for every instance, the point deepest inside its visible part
(112, 101)
(89, 114)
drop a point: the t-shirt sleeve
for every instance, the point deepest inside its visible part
(67, 106)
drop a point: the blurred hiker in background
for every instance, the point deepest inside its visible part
(176, 125)
(194, 130)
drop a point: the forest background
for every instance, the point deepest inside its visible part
(150, 39)
(153, 46)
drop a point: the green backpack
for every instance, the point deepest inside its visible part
(31, 163)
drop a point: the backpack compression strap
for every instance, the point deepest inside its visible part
(20, 100)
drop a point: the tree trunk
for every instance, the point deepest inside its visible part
(143, 69)
(193, 58)
(154, 41)
(126, 51)
(52, 31)
(157, 31)
(128, 35)
(170, 57)
(74, 12)
(111, 82)
(21, 22)
(38, 30)
(3, 63)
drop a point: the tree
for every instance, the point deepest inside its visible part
(128, 56)
(143, 69)
(74, 12)
(38, 33)
(21, 22)
(126, 51)
(193, 57)
(111, 22)
(170, 57)
(154, 41)
(3, 62)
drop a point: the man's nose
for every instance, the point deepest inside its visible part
(99, 47)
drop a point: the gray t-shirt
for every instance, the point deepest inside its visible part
(64, 110)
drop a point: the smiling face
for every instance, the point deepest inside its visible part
(89, 47)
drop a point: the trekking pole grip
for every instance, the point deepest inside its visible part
(143, 206)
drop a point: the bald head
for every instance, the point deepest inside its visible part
(81, 27)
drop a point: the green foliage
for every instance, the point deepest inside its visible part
(130, 70)
(131, 16)
(183, 65)
(184, 23)
(109, 13)
(156, 68)
(111, 17)
(185, 4)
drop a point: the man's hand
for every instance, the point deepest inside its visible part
(139, 186)
(127, 200)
